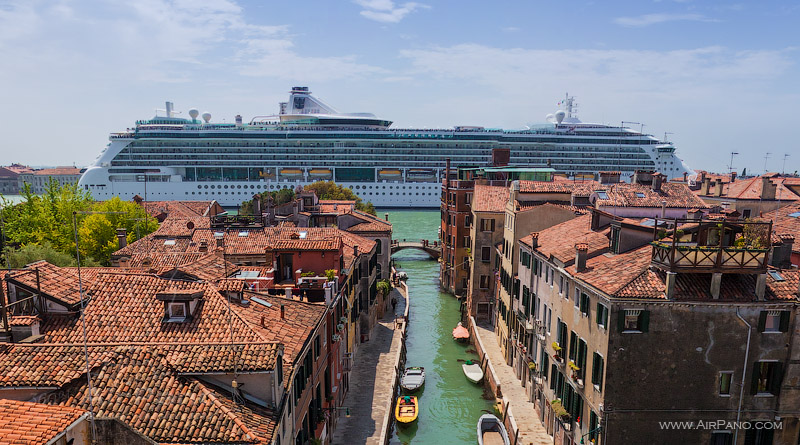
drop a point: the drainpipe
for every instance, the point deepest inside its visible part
(744, 371)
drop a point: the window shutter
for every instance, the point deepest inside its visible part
(755, 377)
(553, 379)
(645, 321)
(776, 378)
(600, 374)
(605, 317)
(621, 320)
(599, 314)
(784, 326)
(573, 343)
(762, 321)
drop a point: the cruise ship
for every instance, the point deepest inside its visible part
(174, 158)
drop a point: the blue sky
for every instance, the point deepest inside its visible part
(721, 76)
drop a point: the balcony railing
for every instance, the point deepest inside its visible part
(712, 246)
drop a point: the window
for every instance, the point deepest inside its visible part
(584, 304)
(746, 213)
(773, 321)
(549, 318)
(484, 282)
(486, 254)
(465, 263)
(725, 378)
(467, 198)
(597, 371)
(487, 225)
(602, 315)
(467, 220)
(177, 311)
(634, 320)
(762, 436)
(721, 438)
(379, 246)
(767, 378)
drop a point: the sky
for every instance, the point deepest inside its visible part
(715, 76)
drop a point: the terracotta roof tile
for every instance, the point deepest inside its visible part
(338, 207)
(559, 241)
(34, 423)
(487, 198)
(57, 171)
(783, 224)
(59, 283)
(640, 195)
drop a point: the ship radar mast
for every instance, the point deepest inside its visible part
(570, 106)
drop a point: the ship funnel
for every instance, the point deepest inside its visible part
(169, 108)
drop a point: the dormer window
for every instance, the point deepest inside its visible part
(179, 304)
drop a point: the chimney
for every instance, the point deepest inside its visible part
(685, 177)
(733, 177)
(768, 188)
(609, 177)
(761, 286)
(581, 252)
(664, 208)
(122, 237)
(283, 312)
(705, 185)
(535, 240)
(670, 285)
(658, 179)
(718, 187)
(355, 250)
(220, 240)
(203, 246)
(386, 216)
(263, 322)
(256, 204)
(514, 191)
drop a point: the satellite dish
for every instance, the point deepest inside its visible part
(560, 114)
(193, 113)
(207, 116)
(550, 117)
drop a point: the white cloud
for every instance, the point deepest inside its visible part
(652, 19)
(386, 11)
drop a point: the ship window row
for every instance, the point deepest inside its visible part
(242, 139)
(376, 149)
(278, 186)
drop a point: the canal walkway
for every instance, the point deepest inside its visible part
(526, 416)
(371, 383)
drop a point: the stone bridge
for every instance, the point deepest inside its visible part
(432, 248)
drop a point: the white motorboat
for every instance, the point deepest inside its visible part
(413, 378)
(473, 371)
(491, 431)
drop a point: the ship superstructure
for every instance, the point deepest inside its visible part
(173, 158)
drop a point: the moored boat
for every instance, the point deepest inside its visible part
(460, 333)
(413, 378)
(491, 431)
(407, 409)
(473, 371)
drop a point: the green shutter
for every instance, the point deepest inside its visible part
(762, 321)
(776, 378)
(599, 314)
(755, 377)
(605, 317)
(600, 374)
(573, 344)
(644, 321)
(784, 325)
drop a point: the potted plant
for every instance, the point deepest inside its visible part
(330, 274)
(532, 366)
(558, 410)
(575, 368)
(557, 355)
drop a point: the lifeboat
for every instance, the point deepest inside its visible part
(390, 173)
(420, 174)
(320, 172)
(291, 172)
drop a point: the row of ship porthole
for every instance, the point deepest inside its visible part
(402, 187)
(367, 193)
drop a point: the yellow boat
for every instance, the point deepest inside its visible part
(407, 409)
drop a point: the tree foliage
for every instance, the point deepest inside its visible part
(331, 190)
(18, 258)
(40, 225)
(98, 231)
(279, 197)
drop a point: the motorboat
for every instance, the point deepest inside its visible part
(491, 431)
(407, 409)
(413, 378)
(473, 371)
(460, 333)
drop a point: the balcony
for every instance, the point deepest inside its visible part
(706, 246)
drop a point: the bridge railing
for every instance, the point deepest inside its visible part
(422, 242)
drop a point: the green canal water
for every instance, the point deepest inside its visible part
(450, 405)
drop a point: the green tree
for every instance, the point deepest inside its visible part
(331, 190)
(46, 218)
(18, 258)
(279, 197)
(98, 231)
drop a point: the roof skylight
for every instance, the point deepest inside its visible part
(169, 242)
(602, 194)
(303, 235)
(776, 275)
(639, 195)
(243, 234)
(795, 215)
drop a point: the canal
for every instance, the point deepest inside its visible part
(449, 404)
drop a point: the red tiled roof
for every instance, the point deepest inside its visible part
(209, 267)
(59, 283)
(34, 423)
(336, 206)
(578, 210)
(300, 319)
(752, 188)
(487, 198)
(559, 241)
(139, 385)
(783, 224)
(124, 308)
(676, 195)
(583, 188)
(179, 209)
(57, 171)
(23, 320)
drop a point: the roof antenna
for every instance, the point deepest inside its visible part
(83, 323)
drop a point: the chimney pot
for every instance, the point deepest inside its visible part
(203, 246)
(535, 240)
(733, 176)
(283, 312)
(263, 322)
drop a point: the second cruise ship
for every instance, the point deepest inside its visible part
(173, 158)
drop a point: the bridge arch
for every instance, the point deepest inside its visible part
(432, 248)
